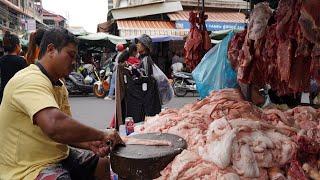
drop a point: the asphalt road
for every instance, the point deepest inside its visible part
(98, 112)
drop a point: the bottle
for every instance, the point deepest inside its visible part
(113, 176)
(129, 124)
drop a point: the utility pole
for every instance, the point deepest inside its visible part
(203, 5)
(251, 5)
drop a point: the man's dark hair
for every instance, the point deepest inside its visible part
(10, 42)
(59, 37)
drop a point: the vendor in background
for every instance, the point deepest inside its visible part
(11, 62)
(119, 48)
(177, 58)
(32, 54)
(177, 62)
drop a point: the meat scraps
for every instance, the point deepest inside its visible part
(146, 142)
(230, 138)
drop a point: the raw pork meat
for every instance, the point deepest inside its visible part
(147, 142)
(230, 138)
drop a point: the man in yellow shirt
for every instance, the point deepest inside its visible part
(35, 128)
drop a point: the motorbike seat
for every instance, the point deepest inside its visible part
(183, 74)
(187, 74)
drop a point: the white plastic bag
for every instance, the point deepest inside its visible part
(164, 87)
(177, 67)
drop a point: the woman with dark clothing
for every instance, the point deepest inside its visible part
(142, 94)
(33, 47)
(11, 62)
(144, 47)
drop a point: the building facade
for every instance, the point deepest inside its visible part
(20, 16)
(171, 17)
(54, 20)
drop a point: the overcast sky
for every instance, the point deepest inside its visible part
(85, 13)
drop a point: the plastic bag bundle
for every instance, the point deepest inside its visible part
(215, 72)
(164, 86)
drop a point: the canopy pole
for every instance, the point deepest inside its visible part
(203, 5)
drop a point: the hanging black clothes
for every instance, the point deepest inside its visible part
(137, 93)
(142, 98)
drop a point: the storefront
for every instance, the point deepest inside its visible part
(216, 21)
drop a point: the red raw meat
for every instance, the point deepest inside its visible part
(315, 63)
(234, 46)
(310, 20)
(296, 172)
(284, 53)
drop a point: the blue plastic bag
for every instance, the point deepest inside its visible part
(215, 72)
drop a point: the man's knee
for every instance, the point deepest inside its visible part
(56, 171)
(103, 168)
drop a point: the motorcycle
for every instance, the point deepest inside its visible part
(102, 85)
(183, 83)
(81, 82)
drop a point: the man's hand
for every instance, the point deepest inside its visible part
(99, 148)
(112, 138)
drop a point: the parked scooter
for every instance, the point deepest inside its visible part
(102, 86)
(82, 82)
(183, 83)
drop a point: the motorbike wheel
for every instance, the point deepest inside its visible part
(179, 88)
(70, 86)
(99, 93)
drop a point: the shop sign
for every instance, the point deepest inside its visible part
(212, 26)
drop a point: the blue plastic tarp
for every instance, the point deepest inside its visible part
(166, 38)
(215, 72)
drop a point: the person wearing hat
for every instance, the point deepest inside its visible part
(142, 94)
(144, 47)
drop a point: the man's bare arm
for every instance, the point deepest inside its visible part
(63, 129)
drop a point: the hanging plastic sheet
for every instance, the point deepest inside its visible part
(215, 71)
(165, 89)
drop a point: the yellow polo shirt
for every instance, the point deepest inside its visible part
(25, 150)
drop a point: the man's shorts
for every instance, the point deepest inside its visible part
(80, 164)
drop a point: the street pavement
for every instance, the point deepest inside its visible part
(98, 112)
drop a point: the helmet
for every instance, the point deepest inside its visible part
(120, 47)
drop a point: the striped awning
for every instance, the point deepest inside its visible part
(235, 17)
(134, 28)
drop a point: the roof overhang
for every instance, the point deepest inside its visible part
(163, 29)
(216, 20)
(105, 27)
(146, 10)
